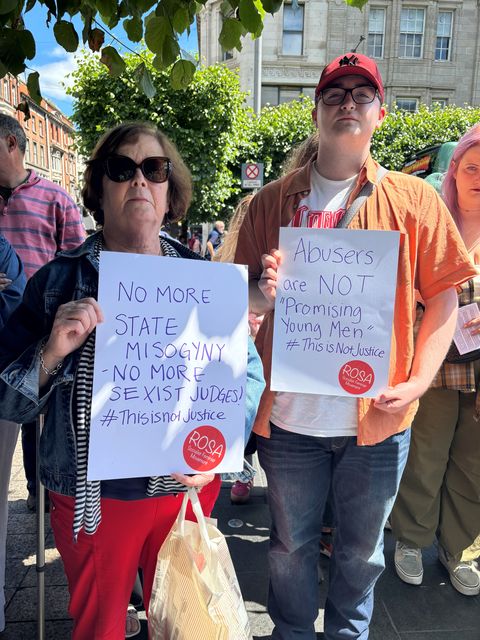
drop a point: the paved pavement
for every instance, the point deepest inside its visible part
(433, 611)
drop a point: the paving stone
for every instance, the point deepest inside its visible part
(23, 606)
(54, 571)
(54, 630)
(21, 523)
(433, 611)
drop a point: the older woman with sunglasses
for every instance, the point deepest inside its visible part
(134, 182)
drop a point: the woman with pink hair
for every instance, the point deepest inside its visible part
(440, 490)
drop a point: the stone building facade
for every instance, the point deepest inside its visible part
(49, 135)
(427, 50)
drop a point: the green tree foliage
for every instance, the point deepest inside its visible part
(208, 121)
(215, 132)
(403, 134)
(159, 22)
(277, 130)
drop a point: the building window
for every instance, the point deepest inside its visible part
(287, 94)
(40, 128)
(376, 32)
(34, 124)
(27, 150)
(35, 153)
(6, 93)
(42, 155)
(292, 44)
(275, 95)
(407, 104)
(439, 102)
(411, 33)
(444, 35)
(56, 162)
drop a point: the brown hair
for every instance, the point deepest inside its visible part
(179, 180)
(226, 253)
(302, 154)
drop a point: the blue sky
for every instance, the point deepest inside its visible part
(54, 63)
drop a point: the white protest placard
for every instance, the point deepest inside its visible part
(334, 311)
(463, 337)
(170, 367)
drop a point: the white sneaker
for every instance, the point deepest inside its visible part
(408, 563)
(464, 576)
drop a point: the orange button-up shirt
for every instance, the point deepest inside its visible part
(432, 258)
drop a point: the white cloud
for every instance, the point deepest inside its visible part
(53, 75)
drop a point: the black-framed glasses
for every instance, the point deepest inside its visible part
(121, 168)
(360, 95)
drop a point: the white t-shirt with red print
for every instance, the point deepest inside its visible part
(306, 413)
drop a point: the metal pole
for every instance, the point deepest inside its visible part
(257, 75)
(40, 564)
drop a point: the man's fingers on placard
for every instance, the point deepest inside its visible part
(270, 274)
(268, 262)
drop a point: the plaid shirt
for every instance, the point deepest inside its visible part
(458, 377)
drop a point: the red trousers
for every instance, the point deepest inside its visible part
(101, 568)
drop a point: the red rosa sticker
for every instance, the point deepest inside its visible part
(356, 377)
(204, 448)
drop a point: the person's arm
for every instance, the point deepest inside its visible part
(209, 249)
(70, 232)
(73, 323)
(12, 280)
(433, 340)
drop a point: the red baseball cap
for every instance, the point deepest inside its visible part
(351, 64)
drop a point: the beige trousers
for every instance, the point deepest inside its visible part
(440, 490)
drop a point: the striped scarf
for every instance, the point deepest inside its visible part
(88, 492)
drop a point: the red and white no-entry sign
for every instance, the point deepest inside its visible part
(252, 175)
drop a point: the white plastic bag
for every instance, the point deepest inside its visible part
(195, 593)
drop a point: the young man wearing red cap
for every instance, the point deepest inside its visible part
(357, 448)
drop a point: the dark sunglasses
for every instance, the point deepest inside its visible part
(121, 168)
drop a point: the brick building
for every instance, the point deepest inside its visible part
(427, 50)
(49, 135)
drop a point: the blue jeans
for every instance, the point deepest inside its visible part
(364, 481)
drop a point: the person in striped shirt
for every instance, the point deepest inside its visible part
(39, 219)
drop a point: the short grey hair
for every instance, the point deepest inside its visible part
(11, 127)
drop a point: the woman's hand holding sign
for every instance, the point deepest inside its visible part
(73, 323)
(198, 480)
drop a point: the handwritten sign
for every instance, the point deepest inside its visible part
(334, 311)
(170, 367)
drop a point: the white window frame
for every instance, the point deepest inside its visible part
(374, 33)
(411, 32)
(287, 7)
(407, 99)
(441, 102)
(449, 37)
